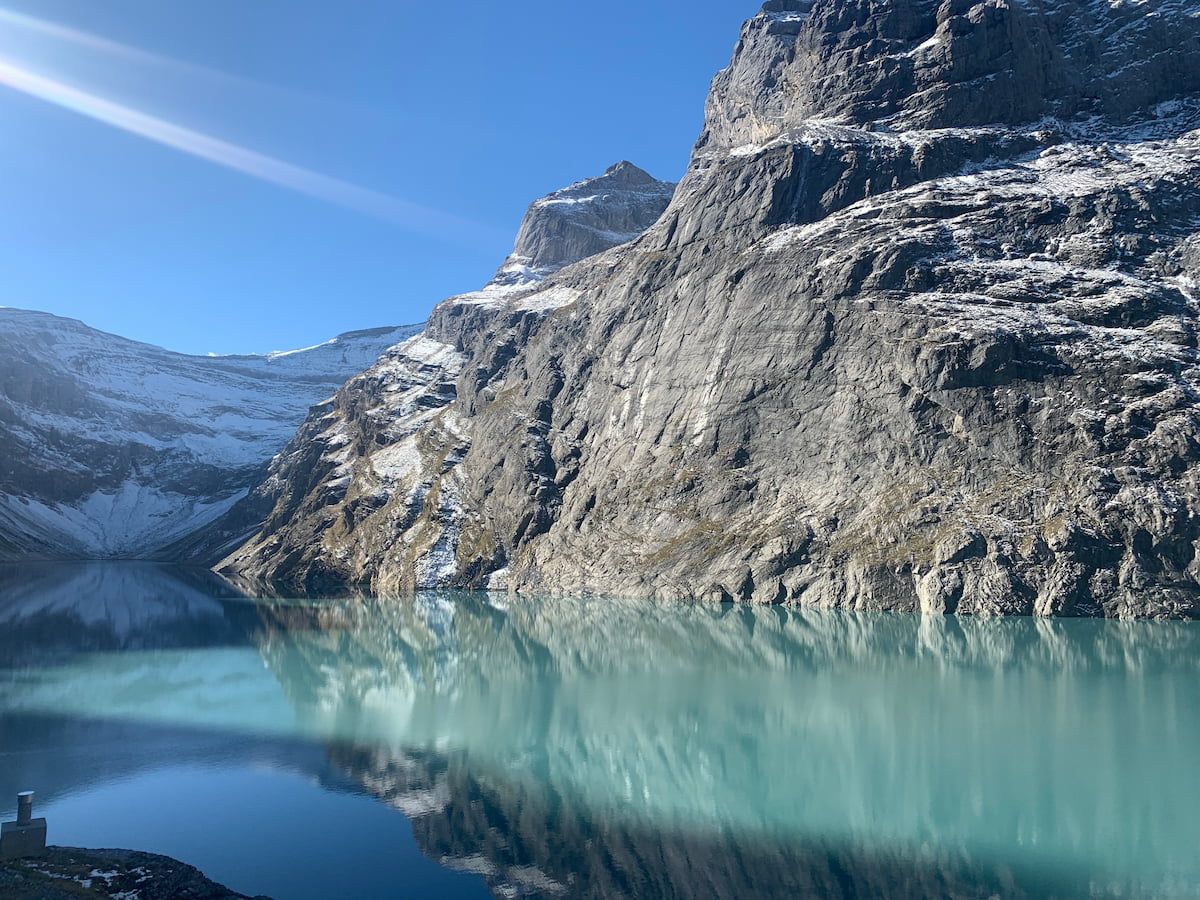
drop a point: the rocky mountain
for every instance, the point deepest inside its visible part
(113, 448)
(575, 222)
(917, 331)
(366, 454)
(588, 217)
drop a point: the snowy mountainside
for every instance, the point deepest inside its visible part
(114, 448)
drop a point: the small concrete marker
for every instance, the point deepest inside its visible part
(27, 835)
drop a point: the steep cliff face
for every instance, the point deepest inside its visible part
(112, 448)
(902, 65)
(918, 330)
(362, 480)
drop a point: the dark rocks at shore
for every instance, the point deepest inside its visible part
(68, 873)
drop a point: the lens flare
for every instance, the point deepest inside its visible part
(233, 156)
(92, 41)
(89, 42)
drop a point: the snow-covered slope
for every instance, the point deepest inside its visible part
(113, 448)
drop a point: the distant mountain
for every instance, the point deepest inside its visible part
(113, 448)
(918, 330)
(588, 217)
(574, 223)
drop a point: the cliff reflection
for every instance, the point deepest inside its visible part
(528, 839)
(1020, 740)
(604, 748)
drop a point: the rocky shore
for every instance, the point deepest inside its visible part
(69, 873)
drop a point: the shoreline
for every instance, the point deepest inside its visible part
(73, 872)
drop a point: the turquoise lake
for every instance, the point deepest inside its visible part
(475, 745)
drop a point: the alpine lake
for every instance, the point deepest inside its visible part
(475, 744)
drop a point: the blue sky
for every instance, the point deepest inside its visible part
(409, 137)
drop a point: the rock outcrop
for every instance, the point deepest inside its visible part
(918, 330)
(113, 448)
(589, 217)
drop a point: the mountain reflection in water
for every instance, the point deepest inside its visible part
(598, 747)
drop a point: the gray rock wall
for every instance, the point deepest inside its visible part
(917, 331)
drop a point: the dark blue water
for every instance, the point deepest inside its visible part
(462, 745)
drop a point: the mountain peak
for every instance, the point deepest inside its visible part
(589, 217)
(894, 65)
(628, 172)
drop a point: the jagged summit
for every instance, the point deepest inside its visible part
(627, 173)
(623, 175)
(895, 65)
(578, 221)
(590, 216)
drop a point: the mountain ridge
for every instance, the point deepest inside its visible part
(81, 325)
(935, 351)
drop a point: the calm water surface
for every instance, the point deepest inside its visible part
(473, 745)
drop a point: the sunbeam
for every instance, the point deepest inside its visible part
(95, 42)
(17, 23)
(232, 156)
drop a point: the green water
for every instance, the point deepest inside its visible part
(566, 747)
